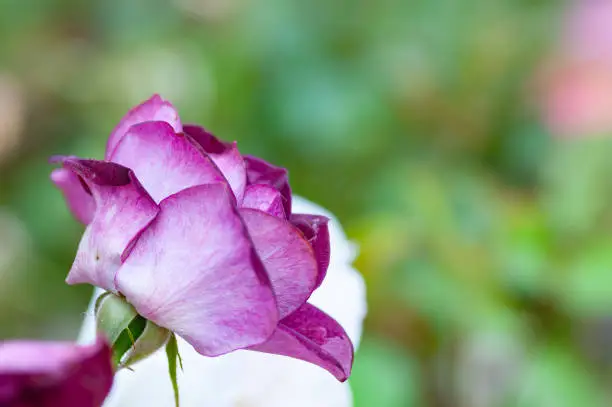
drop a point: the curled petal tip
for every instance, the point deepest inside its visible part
(311, 335)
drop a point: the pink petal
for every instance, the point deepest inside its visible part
(315, 229)
(311, 335)
(262, 172)
(154, 109)
(164, 161)
(264, 198)
(287, 257)
(79, 200)
(51, 374)
(225, 155)
(194, 271)
(123, 209)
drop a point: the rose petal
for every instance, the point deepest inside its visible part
(79, 200)
(165, 162)
(123, 209)
(50, 374)
(153, 109)
(194, 271)
(311, 335)
(315, 229)
(225, 155)
(287, 257)
(264, 198)
(262, 172)
(350, 308)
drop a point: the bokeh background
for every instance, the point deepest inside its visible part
(464, 144)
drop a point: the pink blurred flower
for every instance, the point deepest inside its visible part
(52, 374)
(575, 86)
(588, 30)
(202, 241)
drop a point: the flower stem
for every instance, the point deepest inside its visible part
(173, 355)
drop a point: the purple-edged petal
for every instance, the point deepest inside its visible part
(52, 374)
(287, 257)
(164, 161)
(194, 271)
(311, 335)
(153, 109)
(123, 209)
(315, 229)
(264, 198)
(79, 200)
(262, 172)
(225, 155)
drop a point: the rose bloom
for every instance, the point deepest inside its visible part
(203, 241)
(575, 85)
(248, 378)
(54, 374)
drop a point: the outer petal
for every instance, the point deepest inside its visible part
(262, 172)
(316, 231)
(287, 256)
(225, 155)
(123, 209)
(164, 161)
(311, 335)
(264, 198)
(79, 200)
(46, 374)
(194, 271)
(253, 378)
(154, 109)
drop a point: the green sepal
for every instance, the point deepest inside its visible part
(113, 316)
(132, 337)
(144, 343)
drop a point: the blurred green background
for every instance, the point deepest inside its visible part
(485, 238)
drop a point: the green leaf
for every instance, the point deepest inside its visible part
(173, 354)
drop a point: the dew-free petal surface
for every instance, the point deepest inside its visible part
(311, 335)
(225, 155)
(123, 209)
(262, 172)
(165, 162)
(153, 109)
(195, 271)
(315, 229)
(287, 257)
(264, 198)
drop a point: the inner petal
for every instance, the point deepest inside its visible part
(164, 161)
